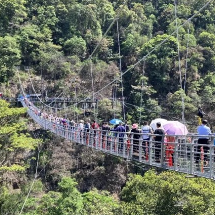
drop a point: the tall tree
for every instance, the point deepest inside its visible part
(9, 57)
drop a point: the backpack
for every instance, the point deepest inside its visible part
(86, 126)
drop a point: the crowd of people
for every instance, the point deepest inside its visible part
(121, 130)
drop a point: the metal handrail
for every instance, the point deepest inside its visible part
(180, 153)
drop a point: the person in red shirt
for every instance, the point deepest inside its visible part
(95, 125)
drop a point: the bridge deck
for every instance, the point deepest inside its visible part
(178, 153)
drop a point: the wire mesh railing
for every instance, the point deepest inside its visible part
(182, 153)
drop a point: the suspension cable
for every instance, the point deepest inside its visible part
(187, 55)
(120, 69)
(48, 105)
(38, 157)
(32, 184)
(90, 57)
(93, 89)
(113, 99)
(76, 105)
(157, 46)
(178, 42)
(112, 23)
(104, 35)
(41, 99)
(141, 97)
(99, 43)
(179, 61)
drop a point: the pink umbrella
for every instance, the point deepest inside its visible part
(175, 128)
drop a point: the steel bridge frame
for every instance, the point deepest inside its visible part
(180, 153)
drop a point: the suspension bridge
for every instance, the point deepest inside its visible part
(177, 152)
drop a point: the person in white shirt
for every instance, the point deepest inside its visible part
(146, 130)
(81, 125)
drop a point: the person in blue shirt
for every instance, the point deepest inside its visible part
(120, 133)
(203, 141)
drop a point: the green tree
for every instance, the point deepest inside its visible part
(9, 57)
(39, 52)
(14, 140)
(46, 17)
(99, 203)
(12, 14)
(167, 193)
(108, 109)
(75, 46)
(207, 40)
(52, 62)
(80, 20)
(165, 16)
(105, 11)
(31, 42)
(160, 65)
(174, 104)
(67, 201)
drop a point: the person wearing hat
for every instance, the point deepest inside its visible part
(135, 134)
(81, 124)
(203, 129)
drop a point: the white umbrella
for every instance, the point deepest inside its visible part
(155, 121)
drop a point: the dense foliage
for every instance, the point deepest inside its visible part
(16, 144)
(54, 38)
(167, 193)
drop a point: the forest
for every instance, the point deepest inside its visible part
(79, 50)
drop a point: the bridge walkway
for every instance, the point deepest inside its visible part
(177, 153)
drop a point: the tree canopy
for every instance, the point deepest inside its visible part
(54, 39)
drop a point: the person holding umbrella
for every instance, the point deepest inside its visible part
(172, 130)
(159, 138)
(153, 123)
(121, 132)
(115, 122)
